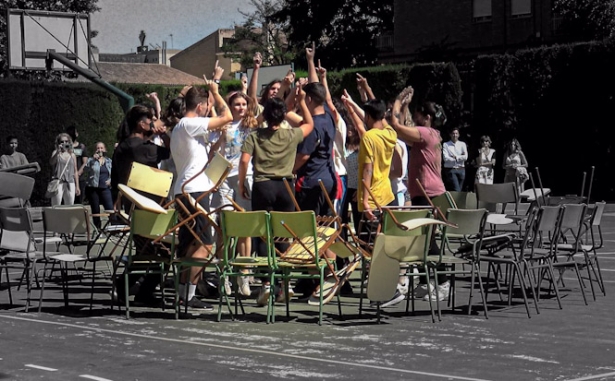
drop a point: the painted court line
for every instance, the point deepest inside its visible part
(94, 377)
(248, 350)
(593, 377)
(40, 367)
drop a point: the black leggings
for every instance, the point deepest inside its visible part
(271, 195)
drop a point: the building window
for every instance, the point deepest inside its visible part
(520, 8)
(481, 10)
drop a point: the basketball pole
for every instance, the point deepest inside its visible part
(126, 101)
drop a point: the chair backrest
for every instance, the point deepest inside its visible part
(489, 195)
(542, 227)
(468, 221)
(151, 225)
(444, 202)
(16, 230)
(598, 210)
(14, 186)
(67, 220)
(150, 180)
(406, 245)
(235, 224)
(218, 168)
(141, 201)
(464, 200)
(573, 216)
(299, 224)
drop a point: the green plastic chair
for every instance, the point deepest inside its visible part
(149, 237)
(469, 235)
(302, 258)
(235, 225)
(398, 247)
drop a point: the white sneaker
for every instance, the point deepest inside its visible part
(403, 288)
(243, 283)
(263, 295)
(281, 298)
(227, 287)
(444, 291)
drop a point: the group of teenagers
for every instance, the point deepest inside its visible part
(295, 132)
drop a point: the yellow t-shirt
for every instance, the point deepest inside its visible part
(377, 148)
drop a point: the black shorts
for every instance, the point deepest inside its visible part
(200, 225)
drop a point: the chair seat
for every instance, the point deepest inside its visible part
(68, 257)
(196, 261)
(15, 256)
(447, 259)
(249, 261)
(569, 247)
(111, 229)
(311, 264)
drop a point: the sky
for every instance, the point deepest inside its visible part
(119, 22)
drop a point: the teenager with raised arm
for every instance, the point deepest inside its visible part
(426, 165)
(190, 146)
(272, 151)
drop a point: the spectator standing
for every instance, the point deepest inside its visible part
(64, 168)
(98, 180)
(485, 162)
(12, 158)
(455, 154)
(81, 153)
(515, 164)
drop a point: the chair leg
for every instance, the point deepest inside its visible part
(64, 272)
(40, 300)
(517, 271)
(433, 317)
(552, 276)
(599, 274)
(93, 284)
(481, 289)
(28, 284)
(526, 267)
(589, 274)
(576, 269)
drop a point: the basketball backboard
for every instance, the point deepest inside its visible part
(267, 74)
(32, 33)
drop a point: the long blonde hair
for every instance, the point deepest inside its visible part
(249, 119)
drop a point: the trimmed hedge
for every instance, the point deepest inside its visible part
(557, 102)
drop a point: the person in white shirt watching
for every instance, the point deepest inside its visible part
(455, 154)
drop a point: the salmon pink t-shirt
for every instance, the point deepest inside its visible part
(426, 164)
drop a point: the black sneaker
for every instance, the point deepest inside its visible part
(198, 304)
(147, 300)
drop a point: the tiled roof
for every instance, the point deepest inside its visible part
(145, 73)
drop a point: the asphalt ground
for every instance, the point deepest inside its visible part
(576, 343)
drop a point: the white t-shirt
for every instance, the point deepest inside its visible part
(190, 150)
(231, 150)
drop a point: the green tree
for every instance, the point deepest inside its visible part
(345, 31)
(259, 34)
(586, 20)
(72, 6)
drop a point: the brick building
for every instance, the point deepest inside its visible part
(468, 27)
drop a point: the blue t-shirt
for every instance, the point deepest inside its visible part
(103, 177)
(319, 145)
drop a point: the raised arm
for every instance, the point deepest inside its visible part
(224, 113)
(154, 98)
(408, 135)
(355, 112)
(252, 87)
(322, 73)
(309, 54)
(364, 88)
(308, 123)
(286, 84)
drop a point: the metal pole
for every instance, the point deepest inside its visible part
(126, 101)
(591, 182)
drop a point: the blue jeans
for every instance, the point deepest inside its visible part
(98, 196)
(454, 178)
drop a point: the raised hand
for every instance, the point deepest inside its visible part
(257, 59)
(310, 52)
(322, 72)
(290, 77)
(346, 97)
(244, 83)
(362, 82)
(218, 71)
(303, 81)
(405, 96)
(152, 96)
